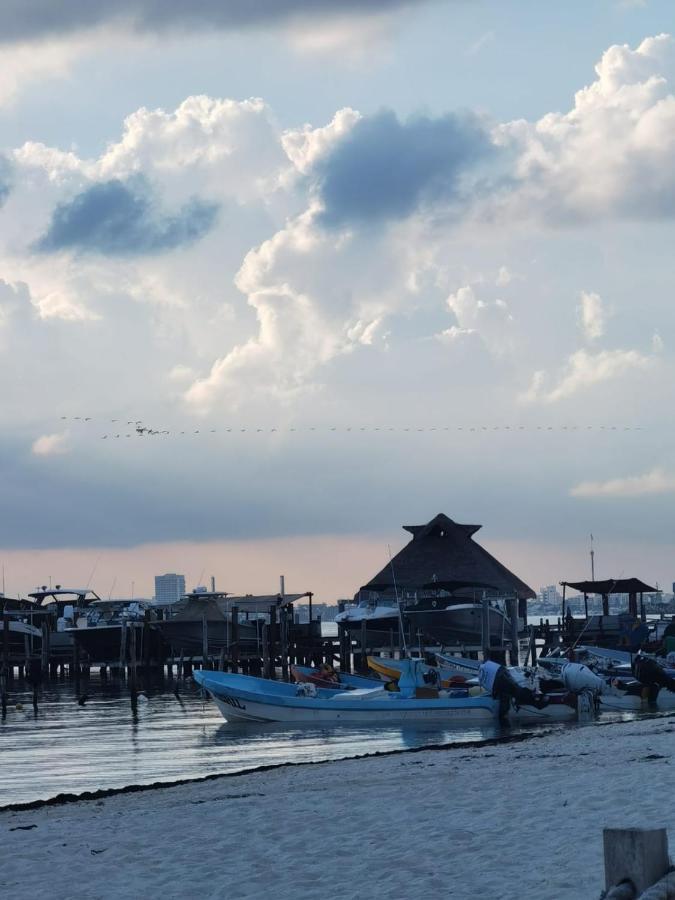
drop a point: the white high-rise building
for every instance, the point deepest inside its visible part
(550, 594)
(169, 587)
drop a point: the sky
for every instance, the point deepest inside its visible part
(279, 277)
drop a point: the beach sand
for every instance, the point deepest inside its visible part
(516, 820)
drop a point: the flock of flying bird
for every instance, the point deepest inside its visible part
(139, 429)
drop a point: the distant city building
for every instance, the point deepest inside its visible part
(169, 587)
(550, 594)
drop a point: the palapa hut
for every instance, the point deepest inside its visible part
(444, 552)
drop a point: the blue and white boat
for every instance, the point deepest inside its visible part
(242, 698)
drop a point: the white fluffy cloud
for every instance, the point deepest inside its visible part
(611, 154)
(488, 319)
(592, 315)
(583, 370)
(656, 481)
(51, 444)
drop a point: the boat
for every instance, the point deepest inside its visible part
(243, 698)
(24, 639)
(433, 615)
(379, 616)
(449, 675)
(103, 631)
(448, 613)
(63, 606)
(206, 616)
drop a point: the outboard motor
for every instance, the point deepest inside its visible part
(578, 678)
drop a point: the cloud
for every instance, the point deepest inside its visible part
(51, 445)
(657, 481)
(22, 20)
(591, 316)
(14, 299)
(5, 178)
(488, 37)
(583, 370)
(488, 319)
(119, 219)
(384, 169)
(504, 276)
(610, 155)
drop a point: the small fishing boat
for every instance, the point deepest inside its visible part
(449, 676)
(246, 699)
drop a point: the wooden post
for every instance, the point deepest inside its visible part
(533, 647)
(4, 668)
(485, 625)
(44, 649)
(132, 663)
(221, 660)
(639, 855)
(363, 661)
(76, 664)
(605, 604)
(266, 650)
(205, 641)
(342, 640)
(513, 617)
(123, 645)
(284, 643)
(234, 634)
(272, 638)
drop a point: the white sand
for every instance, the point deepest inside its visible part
(521, 820)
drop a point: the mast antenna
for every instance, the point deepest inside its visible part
(398, 604)
(592, 560)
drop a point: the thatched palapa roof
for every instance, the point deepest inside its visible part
(443, 551)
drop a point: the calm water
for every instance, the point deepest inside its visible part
(69, 748)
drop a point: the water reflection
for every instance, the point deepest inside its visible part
(71, 748)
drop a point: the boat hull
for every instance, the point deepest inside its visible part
(242, 699)
(185, 636)
(459, 624)
(102, 643)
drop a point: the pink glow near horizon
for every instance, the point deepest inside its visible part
(332, 566)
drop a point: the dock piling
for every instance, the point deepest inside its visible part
(635, 855)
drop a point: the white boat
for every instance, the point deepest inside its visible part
(246, 699)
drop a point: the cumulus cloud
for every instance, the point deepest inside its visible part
(384, 169)
(121, 220)
(656, 481)
(610, 155)
(591, 315)
(488, 319)
(583, 370)
(307, 314)
(51, 444)
(29, 19)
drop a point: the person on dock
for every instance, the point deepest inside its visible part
(498, 681)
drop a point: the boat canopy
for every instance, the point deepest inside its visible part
(61, 595)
